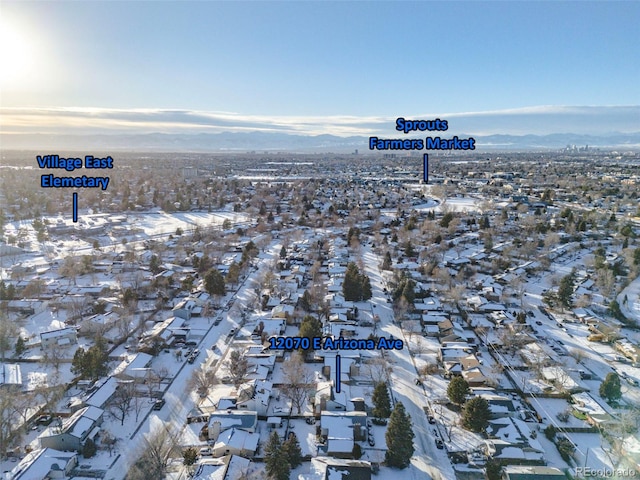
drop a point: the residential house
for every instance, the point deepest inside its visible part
(339, 431)
(59, 338)
(327, 468)
(230, 467)
(71, 434)
(531, 472)
(223, 420)
(45, 463)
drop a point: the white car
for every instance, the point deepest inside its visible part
(206, 452)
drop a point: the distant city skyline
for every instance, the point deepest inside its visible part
(344, 68)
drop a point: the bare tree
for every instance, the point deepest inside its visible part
(379, 370)
(7, 432)
(238, 367)
(120, 403)
(24, 406)
(138, 403)
(108, 440)
(50, 391)
(201, 380)
(298, 381)
(157, 447)
(8, 330)
(53, 356)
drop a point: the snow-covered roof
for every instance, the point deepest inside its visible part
(10, 374)
(40, 463)
(238, 439)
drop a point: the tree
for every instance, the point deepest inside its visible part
(298, 381)
(108, 440)
(93, 363)
(614, 310)
(565, 291)
(275, 458)
(7, 330)
(20, 346)
(367, 293)
(399, 438)
(446, 219)
(610, 388)
(475, 416)
(283, 252)
(493, 469)
(351, 288)
(387, 262)
(250, 251)
(457, 390)
(189, 456)
(305, 301)
(120, 403)
(214, 282)
(233, 275)
(89, 448)
(356, 286)
(381, 401)
(201, 380)
(156, 450)
(292, 450)
(310, 327)
(238, 367)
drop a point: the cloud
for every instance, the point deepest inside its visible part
(539, 120)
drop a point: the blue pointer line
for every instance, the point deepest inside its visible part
(75, 207)
(337, 373)
(425, 172)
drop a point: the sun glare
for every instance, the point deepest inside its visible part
(16, 56)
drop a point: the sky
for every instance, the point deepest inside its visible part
(305, 66)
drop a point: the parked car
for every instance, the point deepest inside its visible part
(439, 444)
(431, 419)
(372, 441)
(44, 420)
(158, 404)
(206, 452)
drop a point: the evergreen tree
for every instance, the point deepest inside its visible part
(154, 264)
(610, 388)
(20, 346)
(292, 450)
(409, 251)
(77, 363)
(283, 252)
(446, 219)
(387, 263)
(233, 275)
(214, 282)
(475, 416)
(457, 390)
(190, 456)
(89, 448)
(399, 438)
(275, 458)
(305, 301)
(367, 293)
(250, 251)
(310, 327)
(351, 286)
(614, 310)
(565, 291)
(381, 401)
